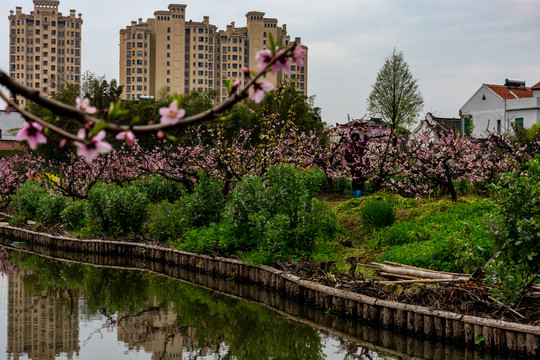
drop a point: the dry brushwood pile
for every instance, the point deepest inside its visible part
(459, 293)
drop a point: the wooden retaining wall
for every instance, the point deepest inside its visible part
(493, 335)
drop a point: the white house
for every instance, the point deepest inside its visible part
(9, 123)
(501, 108)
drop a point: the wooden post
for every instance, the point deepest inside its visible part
(533, 345)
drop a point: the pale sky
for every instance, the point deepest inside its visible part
(451, 46)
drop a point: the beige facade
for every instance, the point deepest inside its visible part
(169, 54)
(39, 324)
(45, 47)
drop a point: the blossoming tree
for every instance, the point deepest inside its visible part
(89, 140)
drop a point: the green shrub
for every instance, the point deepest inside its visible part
(378, 214)
(316, 181)
(516, 227)
(342, 186)
(30, 196)
(207, 238)
(50, 208)
(75, 214)
(17, 220)
(157, 188)
(204, 205)
(165, 221)
(244, 211)
(117, 210)
(509, 279)
(278, 218)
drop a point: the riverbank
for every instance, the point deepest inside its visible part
(491, 334)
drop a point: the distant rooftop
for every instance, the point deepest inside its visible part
(508, 93)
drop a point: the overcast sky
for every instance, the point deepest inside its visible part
(451, 46)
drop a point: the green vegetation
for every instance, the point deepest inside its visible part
(278, 217)
(205, 318)
(436, 234)
(516, 226)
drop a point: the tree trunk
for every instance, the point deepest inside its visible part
(329, 185)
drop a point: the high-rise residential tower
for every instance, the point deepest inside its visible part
(169, 53)
(45, 47)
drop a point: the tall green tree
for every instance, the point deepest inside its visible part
(395, 95)
(100, 91)
(285, 104)
(290, 105)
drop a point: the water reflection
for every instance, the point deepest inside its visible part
(79, 311)
(41, 322)
(164, 317)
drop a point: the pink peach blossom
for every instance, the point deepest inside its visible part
(84, 105)
(31, 132)
(171, 115)
(128, 136)
(259, 89)
(90, 151)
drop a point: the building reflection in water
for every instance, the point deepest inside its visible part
(41, 323)
(159, 333)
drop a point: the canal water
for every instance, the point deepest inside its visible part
(87, 307)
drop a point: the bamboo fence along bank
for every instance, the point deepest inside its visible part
(501, 336)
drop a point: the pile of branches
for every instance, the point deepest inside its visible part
(459, 293)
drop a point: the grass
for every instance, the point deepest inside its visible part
(431, 233)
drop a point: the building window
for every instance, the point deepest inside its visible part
(467, 123)
(519, 124)
(499, 126)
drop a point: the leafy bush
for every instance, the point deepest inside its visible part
(204, 205)
(278, 218)
(164, 222)
(75, 214)
(245, 203)
(117, 209)
(378, 214)
(206, 238)
(50, 208)
(516, 227)
(157, 188)
(342, 186)
(30, 196)
(509, 279)
(315, 181)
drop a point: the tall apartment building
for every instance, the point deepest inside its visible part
(45, 47)
(169, 53)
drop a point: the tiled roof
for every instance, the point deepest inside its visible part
(511, 93)
(12, 145)
(536, 87)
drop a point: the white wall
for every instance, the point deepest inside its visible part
(7, 122)
(485, 113)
